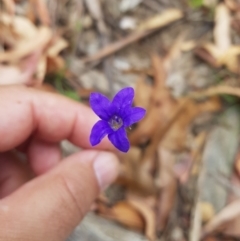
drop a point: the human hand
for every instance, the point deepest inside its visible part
(50, 205)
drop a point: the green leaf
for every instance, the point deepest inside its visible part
(71, 94)
(196, 3)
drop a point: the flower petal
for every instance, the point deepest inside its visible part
(100, 105)
(132, 115)
(99, 130)
(123, 98)
(119, 139)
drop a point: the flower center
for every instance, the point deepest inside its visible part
(115, 122)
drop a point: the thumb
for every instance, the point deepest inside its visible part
(50, 206)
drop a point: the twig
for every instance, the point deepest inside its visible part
(148, 27)
(114, 47)
(217, 90)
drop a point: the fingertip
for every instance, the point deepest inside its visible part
(106, 167)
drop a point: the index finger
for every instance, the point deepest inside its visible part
(49, 117)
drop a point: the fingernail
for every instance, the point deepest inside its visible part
(106, 167)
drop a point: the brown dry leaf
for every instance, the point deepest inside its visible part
(161, 104)
(124, 213)
(30, 38)
(19, 75)
(223, 218)
(213, 50)
(176, 138)
(136, 175)
(143, 93)
(162, 113)
(26, 47)
(8, 36)
(57, 46)
(167, 184)
(231, 59)
(20, 25)
(222, 53)
(148, 215)
(55, 62)
(161, 19)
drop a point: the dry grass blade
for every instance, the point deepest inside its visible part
(20, 25)
(14, 75)
(26, 47)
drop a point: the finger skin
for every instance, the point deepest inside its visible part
(48, 116)
(51, 205)
(43, 156)
(13, 173)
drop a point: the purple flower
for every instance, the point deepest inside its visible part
(115, 117)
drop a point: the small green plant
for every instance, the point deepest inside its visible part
(230, 99)
(59, 81)
(196, 3)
